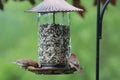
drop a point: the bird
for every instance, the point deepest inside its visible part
(74, 63)
(77, 3)
(25, 63)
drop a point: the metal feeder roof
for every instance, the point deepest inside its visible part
(54, 6)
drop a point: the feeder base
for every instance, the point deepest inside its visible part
(51, 70)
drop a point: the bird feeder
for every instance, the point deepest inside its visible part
(53, 36)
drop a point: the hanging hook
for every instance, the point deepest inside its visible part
(101, 17)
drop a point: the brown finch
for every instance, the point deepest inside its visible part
(74, 63)
(25, 63)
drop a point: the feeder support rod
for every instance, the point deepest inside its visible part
(100, 14)
(101, 17)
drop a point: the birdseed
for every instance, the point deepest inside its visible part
(53, 43)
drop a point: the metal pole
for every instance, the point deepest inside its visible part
(53, 17)
(100, 15)
(97, 40)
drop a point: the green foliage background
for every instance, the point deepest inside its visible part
(18, 39)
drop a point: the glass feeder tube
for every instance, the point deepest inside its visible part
(53, 39)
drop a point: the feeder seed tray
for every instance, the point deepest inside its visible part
(51, 70)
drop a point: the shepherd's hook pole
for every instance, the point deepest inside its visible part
(100, 14)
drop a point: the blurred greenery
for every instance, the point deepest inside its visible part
(18, 39)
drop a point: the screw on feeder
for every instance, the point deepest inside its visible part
(54, 37)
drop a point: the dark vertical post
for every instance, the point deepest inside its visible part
(97, 40)
(99, 33)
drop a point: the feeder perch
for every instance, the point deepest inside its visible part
(53, 37)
